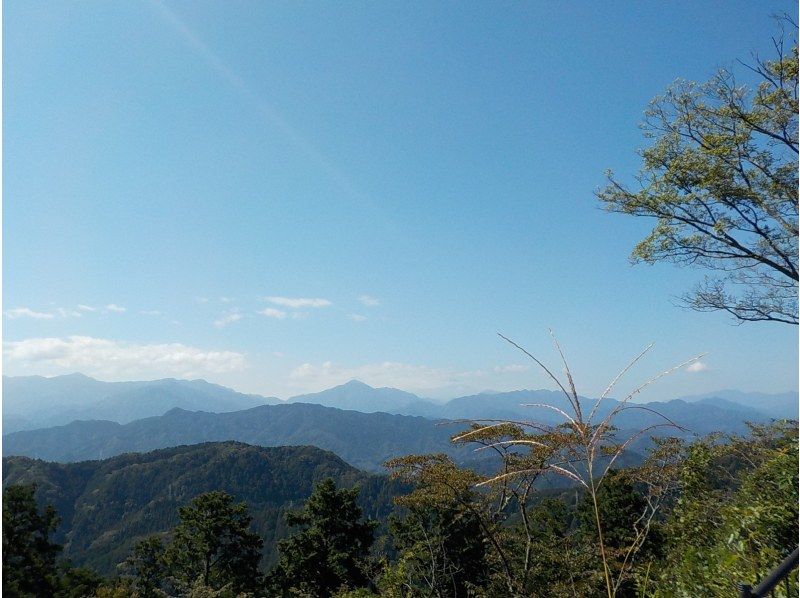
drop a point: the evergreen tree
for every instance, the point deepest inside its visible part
(29, 557)
(78, 582)
(213, 544)
(330, 551)
(145, 567)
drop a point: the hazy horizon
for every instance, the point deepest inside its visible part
(435, 399)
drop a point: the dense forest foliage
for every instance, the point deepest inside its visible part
(106, 506)
(695, 517)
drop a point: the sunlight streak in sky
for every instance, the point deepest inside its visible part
(266, 110)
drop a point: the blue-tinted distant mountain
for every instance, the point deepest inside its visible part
(508, 405)
(781, 405)
(364, 440)
(357, 396)
(31, 402)
(701, 415)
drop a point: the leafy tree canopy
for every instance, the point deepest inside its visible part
(720, 180)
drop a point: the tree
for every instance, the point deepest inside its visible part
(213, 544)
(737, 515)
(330, 551)
(623, 513)
(442, 551)
(29, 557)
(145, 567)
(720, 180)
(78, 582)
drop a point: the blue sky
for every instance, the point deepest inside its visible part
(280, 196)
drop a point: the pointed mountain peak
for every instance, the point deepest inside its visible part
(355, 384)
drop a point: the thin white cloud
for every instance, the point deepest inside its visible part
(416, 378)
(56, 312)
(117, 309)
(110, 359)
(514, 367)
(227, 319)
(271, 312)
(150, 312)
(697, 366)
(298, 302)
(357, 317)
(226, 300)
(369, 300)
(201, 299)
(26, 312)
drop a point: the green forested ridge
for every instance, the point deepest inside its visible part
(726, 513)
(106, 505)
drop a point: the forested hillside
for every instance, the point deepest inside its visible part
(198, 519)
(106, 506)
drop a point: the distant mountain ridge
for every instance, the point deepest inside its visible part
(31, 402)
(36, 402)
(781, 405)
(357, 396)
(365, 440)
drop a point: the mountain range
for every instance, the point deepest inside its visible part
(33, 402)
(782, 405)
(107, 466)
(364, 440)
(105, 506)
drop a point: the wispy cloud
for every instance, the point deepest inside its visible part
(357, 317)
(226, 300)
(201, 299)
(369, 300)
(271, 312)
(26, 312)
(150, 312)
(112, 359)
(697, 366)
(227, 319)
(298, 302)
(65, 312)
(88, 308)
(514, 367)
(117, 309)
